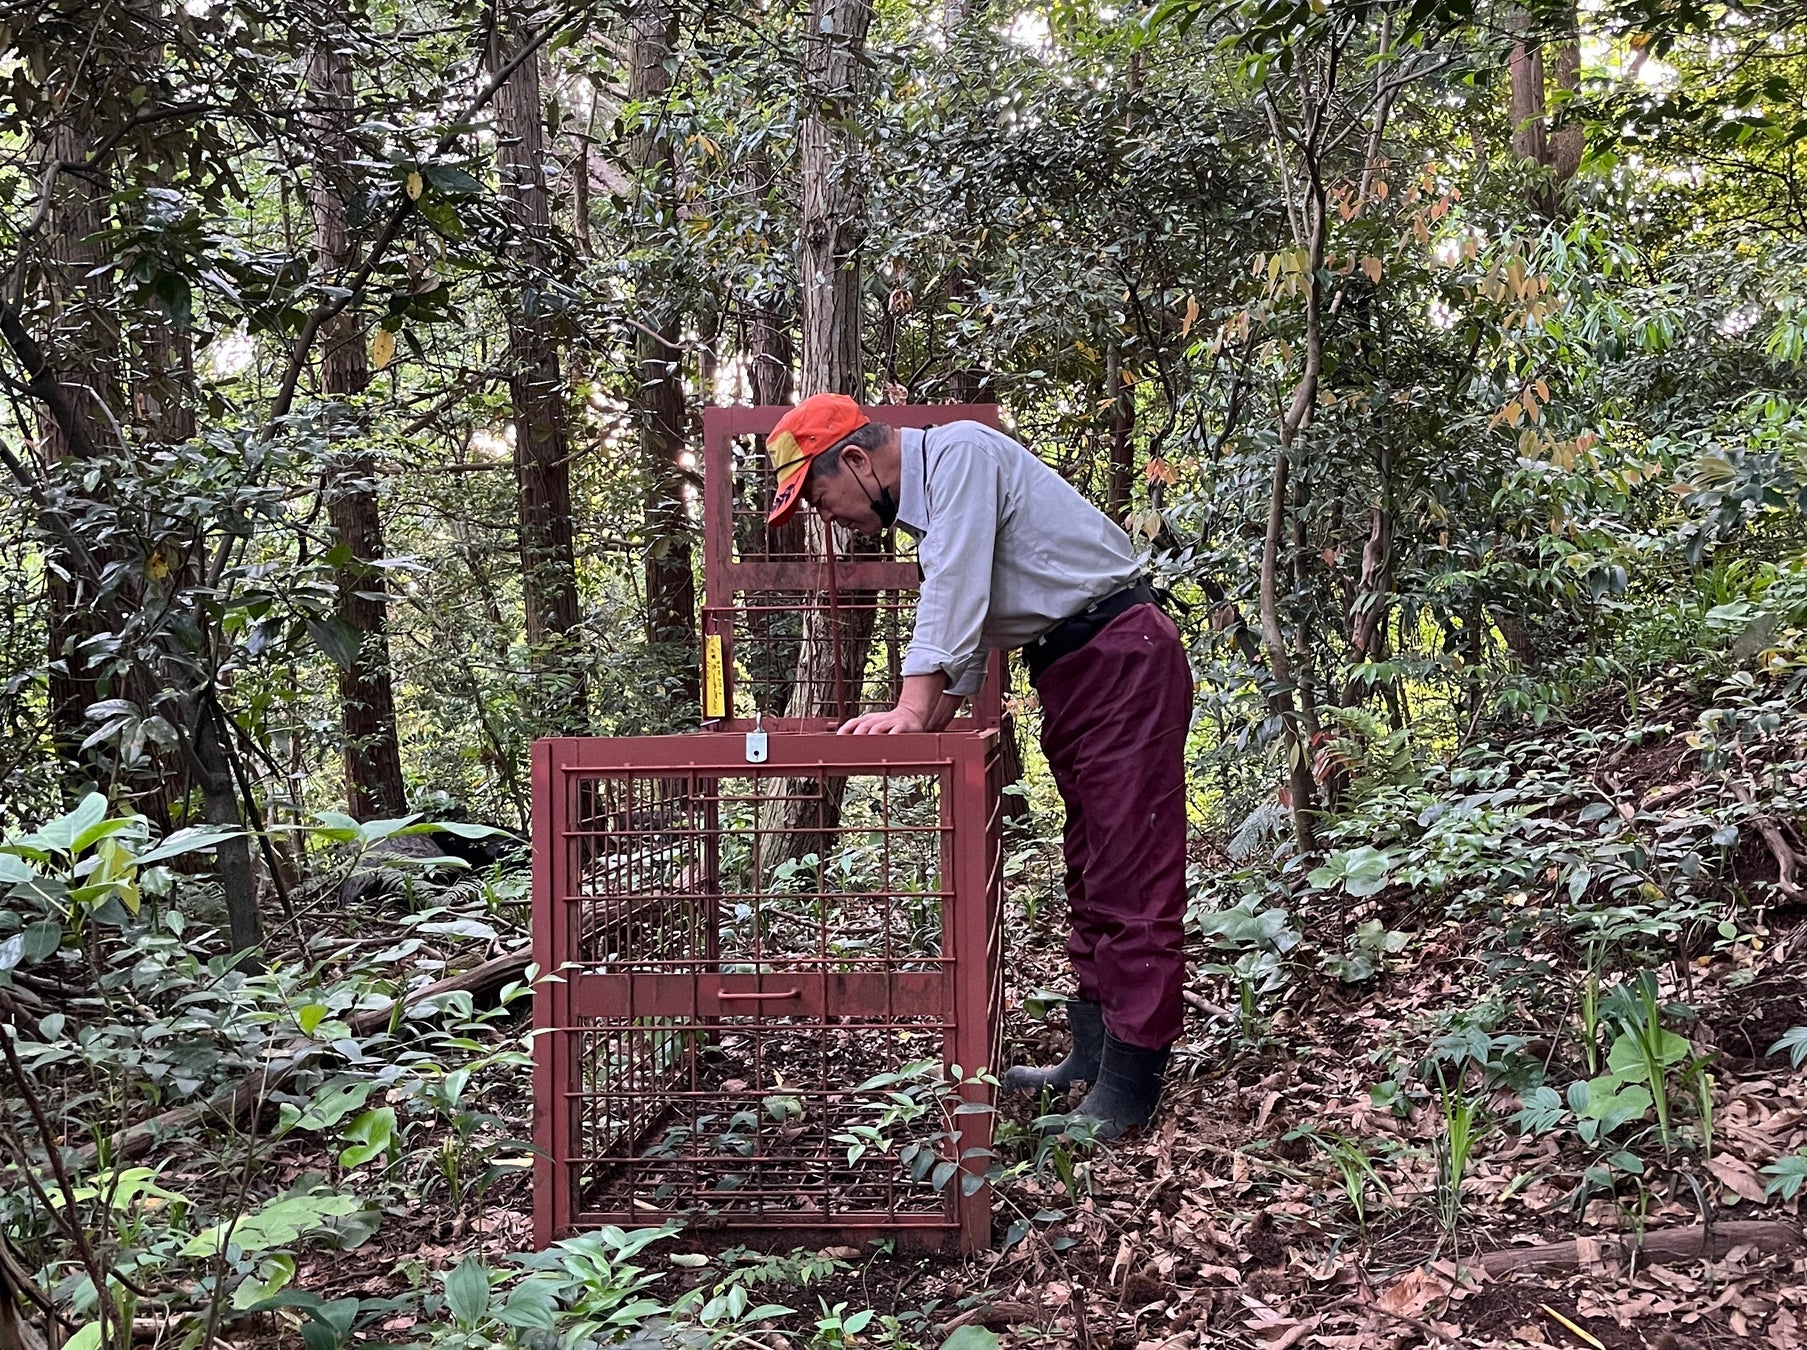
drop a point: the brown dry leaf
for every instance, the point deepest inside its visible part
(1784, 1331)
(1412, 1293)
(1276, 1329)
(1738, 1177)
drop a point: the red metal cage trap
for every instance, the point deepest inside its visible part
(774, 961)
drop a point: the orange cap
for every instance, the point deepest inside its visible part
(820, 422)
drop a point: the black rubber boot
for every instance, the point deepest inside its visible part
(1127, 1090)
(1081, 1063)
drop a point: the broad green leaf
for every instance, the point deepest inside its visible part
(467, 1291)
(373, 830)
(273, 1276)
(190, 840)
(309, 1016)
(329, 1106)
(971, 1338)
(60, 834)
(532, 1304)
(281, 1223)
(371, 1134)
(88, 1338)
(1626, 1058)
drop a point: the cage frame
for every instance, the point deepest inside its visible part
(968, 989)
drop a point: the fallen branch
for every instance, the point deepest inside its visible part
(1769, 1236)
(1205, 1005)
(233, 1104)
(1786, 859)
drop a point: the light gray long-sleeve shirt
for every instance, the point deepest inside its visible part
(1007, 548)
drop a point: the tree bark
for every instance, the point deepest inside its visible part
(1567, 140)
(212, 770)
(536, 390)
(84, 333)
(371, 748)
(1310, 212)
(833, 226)
(1658, 1246)
(830, 234)
(1559, 150)
(771, 358)
(1123, 449)
(659, 402)
(1525, 67)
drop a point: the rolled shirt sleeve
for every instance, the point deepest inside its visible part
(956, 555)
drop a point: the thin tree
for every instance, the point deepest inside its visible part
(536, 387)
(830, 232)
(367, 724)
(659, 404)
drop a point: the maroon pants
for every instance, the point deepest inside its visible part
(1114, 718)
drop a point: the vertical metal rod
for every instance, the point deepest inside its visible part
(834, 624)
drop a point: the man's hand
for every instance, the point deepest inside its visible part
(914, 711)
(895, 721)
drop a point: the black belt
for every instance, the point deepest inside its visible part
(1069, 635)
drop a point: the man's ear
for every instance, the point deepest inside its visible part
(855, 457)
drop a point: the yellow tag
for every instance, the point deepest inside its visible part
(414, 186)
(714, 703)
(382, 348)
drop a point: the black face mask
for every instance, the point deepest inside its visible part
(884, 506)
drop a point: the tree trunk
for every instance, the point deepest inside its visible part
(833, 226)
(1526, 69)
(371, 749)
(212, 769)
(536, 389)
(1302, 788)
(1559, 150)
(659, 392)
(1568, 139)
(830, 232)
(1123, 450)
(84, 335)
(771, 355)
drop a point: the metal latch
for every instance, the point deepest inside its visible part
(756, 746)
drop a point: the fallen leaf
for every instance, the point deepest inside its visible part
(1738, 1177)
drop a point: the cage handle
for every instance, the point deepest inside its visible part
(757, 994)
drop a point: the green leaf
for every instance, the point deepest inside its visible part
(88, 1338)
(532, 1304)
(102, 829)
(452, 182)
(338, 639)
(1786, 1176)
(41, 939)
(329, 1106)
(1627, 1057)
(309, 1016)
(971, 1338)
(1363, 871)
(335, 826)
(467, 1291)
(59, 835)
(273, 1276)
(371, 1134)
(1794, 1041)
(191, 840)
(281, 1223)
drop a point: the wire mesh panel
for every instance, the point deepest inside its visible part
(765, 989)
(771, 595)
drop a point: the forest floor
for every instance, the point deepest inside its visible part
(1296, 1188)
(1228, 1224)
